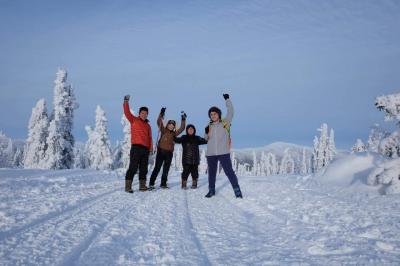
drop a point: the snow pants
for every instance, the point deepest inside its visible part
(163, 158)
(139, 160)
(192, 169)
(226, 163)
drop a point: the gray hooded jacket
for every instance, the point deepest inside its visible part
(218, 137)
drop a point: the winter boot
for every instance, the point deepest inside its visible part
(164, 184)
(238, 193)
(184, 184)
(194, 184)
(210, 193)
(128, 186)
(142, 185)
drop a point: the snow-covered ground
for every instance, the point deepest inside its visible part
(82, 217)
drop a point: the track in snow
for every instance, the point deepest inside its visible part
(84, 218)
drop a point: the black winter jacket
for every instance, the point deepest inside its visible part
(190, 145)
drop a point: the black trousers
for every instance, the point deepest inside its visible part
(139, 159)
(163, 158)
(192, 169)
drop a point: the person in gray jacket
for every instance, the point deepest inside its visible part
(219, 146)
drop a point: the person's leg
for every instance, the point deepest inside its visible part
(157, 168)
(195, 175)
(185, 175)
(212, 174)
(166, 166)
(132, 169)
(143, 168)
(226, 164)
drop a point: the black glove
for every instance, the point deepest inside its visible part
(226, 96)
(207, 129)
(183, 115)
(126, 98)
(162, 113)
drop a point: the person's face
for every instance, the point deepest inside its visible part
(190, 131)
(214, 116)
(143, 115)
(170, 126)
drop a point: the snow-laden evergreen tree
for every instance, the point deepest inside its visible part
(272, 164)
(234, 162)
(390, 104)
(79, 156)
(388, 172)
(375, 136)
(18, 160)
(324, 148)
(38, 130)
(304, 167)
(177, 160)
(331, 146)
(6, 151)
(60, 141)
(203, 163)
(126, 142)
(287, 163)
(359, 146)
(98, 147)
(254, 164)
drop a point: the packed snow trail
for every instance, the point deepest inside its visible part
(82, 217)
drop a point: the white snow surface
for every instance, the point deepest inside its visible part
(83, 217)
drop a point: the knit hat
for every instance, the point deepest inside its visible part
(143, 108)
(190, 126)
(216, 110)
(171, 122)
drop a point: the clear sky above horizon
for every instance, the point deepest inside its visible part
(288, 65)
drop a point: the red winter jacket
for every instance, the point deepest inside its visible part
(140, 130)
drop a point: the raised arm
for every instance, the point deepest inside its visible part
(127, 110)
(160, 123)
(183, 125)
(229, 107)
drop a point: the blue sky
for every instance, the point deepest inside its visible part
(288, 65)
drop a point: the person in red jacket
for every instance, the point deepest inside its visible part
(142, 146)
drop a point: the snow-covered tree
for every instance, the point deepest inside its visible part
(272, 166)
(126, 142)
(6, 151)
(287, 163)
(203, 163)
(98, 147)
(324, 148)
(375, 136)
(390, 145)
(304, 167)
(388, 172)
(60, 141)
(79, 156)
(331, 146)
(36, 146)
(390, 104)
(359, 146)
(254, 164)
(18, 160)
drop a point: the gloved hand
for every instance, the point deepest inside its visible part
(226, 96)
(183, 115)
(162, 112)
(207, 129)
(126, 98)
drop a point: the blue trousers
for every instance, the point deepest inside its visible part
(226, 163)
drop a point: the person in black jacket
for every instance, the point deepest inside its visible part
(191, 155)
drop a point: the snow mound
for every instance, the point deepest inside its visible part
(350, 170)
